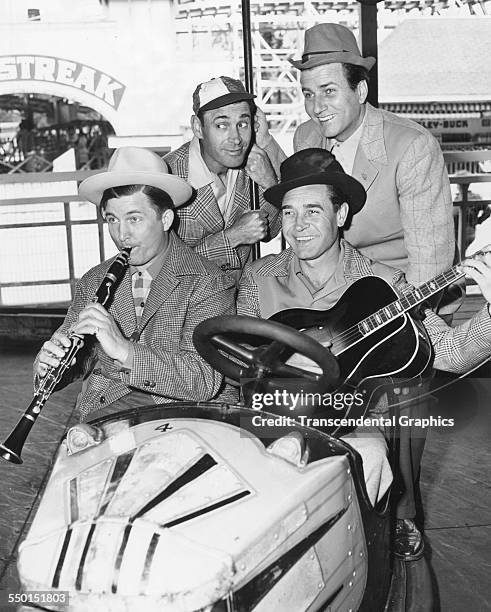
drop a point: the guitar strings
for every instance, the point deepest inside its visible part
(348, 337)
(449, 276)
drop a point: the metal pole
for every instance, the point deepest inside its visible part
(249, 84)
(368, 40)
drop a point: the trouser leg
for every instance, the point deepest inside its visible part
(411, 446)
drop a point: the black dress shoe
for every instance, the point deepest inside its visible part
(408, 543)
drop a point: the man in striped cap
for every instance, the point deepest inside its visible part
(231, 144)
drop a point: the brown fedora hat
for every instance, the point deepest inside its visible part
(329, 43)
(316, 167)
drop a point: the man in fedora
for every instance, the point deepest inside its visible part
(231, 144)
(140, 349)
(317, 198)
(407, 221)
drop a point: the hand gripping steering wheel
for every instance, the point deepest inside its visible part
(263, 362)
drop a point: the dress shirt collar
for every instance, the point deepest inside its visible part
(336, 280)
(199, 173)
(154, 266)
(345, 151)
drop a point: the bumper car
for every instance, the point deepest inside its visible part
(214, 507)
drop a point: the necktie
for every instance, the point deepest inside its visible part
(140, 282)
(332, 146)
(336, 150)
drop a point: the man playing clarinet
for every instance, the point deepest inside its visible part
(138, 349)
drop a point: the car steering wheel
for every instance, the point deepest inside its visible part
(263, 362)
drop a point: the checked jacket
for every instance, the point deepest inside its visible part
(187, 290)
(201, 224)
(457, 349)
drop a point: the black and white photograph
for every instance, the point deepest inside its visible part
(245, 305)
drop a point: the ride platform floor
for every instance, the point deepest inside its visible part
(454, 481)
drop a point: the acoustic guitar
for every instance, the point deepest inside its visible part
(375, 338)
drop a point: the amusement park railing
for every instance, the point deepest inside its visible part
(468, 168)
(49, 237)
(469, 212)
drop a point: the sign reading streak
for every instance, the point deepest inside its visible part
(63, 71)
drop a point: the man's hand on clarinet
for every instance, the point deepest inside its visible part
(51, 352)
(95, 320)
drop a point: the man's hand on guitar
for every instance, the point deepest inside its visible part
(478, 267)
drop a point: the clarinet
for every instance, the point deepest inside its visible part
(11, 449)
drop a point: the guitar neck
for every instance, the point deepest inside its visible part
(407, 301)
(426, 290)
(430, 288)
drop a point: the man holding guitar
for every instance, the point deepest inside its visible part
(323, 272)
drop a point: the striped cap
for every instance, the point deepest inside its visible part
(219, 92)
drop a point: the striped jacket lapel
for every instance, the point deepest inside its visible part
(124, 306)
(206, 208)
(355, 264)
(178, 161)
(162, 286)
(371, 149)
(204, 205)
(372, 137)
(241, 198)
(275, 266)
(180, 261)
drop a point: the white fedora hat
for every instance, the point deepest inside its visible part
(135, 166)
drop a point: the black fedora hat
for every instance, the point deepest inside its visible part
(316, 167)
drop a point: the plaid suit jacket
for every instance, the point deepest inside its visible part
(407, 221)
(166, 365)
(200, 223)
(457, 349)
